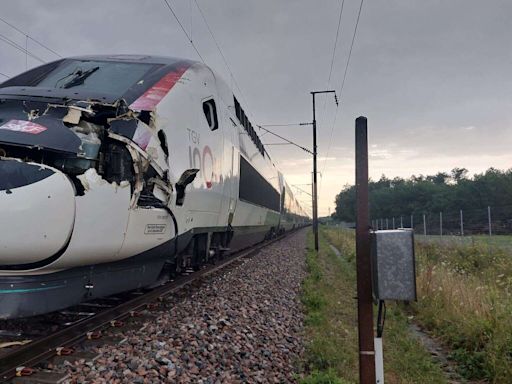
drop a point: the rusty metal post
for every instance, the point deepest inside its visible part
(363, 260)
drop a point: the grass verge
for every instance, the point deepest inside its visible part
(465, 299)
(331, 323)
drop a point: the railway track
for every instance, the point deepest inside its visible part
(24, 364)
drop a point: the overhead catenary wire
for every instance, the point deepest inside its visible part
(285, 139)
(262, 126)
(342, 86)
(235, 82)
(13, 44)
(277, 144)
(333, 58)
(283, 125)
(220, 51)
(184, 30)
(351, 47)
(30, 37)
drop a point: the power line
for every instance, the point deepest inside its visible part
(351, 46)
(333, 58)
(277, 144)
(283, 125)
(335, 45)
(3, 74)
(343, 83)
(285, 139)
(184, 31)
(20, 48)
(30, 37)
(220, 50)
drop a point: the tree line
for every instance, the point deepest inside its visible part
(442, 192)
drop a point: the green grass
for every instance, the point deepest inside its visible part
(331, 323)
(465, 299)
(331, 354)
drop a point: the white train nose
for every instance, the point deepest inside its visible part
(37, 213)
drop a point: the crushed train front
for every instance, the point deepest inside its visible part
(85, 189)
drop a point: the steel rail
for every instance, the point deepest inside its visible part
(45, 348)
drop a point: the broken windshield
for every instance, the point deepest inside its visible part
(109, 77)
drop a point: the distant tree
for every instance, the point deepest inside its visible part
(433, 193)
(417, 179)
(439, 178)
(459, 174)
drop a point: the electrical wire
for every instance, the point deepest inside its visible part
(335, 45)
(3, 74)
(285, 139)
(220, 51)
(283, 125)
(351, 47)
(333, 58)
(20, 48)
(277, 144)
(342, 86)
(184, 31)
(30, 37)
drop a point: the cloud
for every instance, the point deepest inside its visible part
(428, 75)
(380, 154)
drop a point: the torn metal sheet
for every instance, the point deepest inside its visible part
(142, 135)
(124, 127)
(139, 150)
(73, 117)
(137, 189)
(91, 178)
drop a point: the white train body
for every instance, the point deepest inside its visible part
(102, 192)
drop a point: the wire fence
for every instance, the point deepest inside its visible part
(491, 224)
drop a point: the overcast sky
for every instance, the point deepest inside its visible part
(433, 77)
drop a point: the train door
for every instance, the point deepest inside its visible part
(206, 153)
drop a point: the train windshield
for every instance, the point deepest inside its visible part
(108, 77)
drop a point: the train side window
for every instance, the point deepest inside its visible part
(237, 109)
(210, 112)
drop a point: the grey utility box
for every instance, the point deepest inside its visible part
(393, 265)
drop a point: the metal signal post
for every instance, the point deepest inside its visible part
(315, 192)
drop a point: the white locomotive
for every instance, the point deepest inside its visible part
(116, 171)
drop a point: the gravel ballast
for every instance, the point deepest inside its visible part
(241, 325)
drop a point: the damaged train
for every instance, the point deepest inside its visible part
(117, 172)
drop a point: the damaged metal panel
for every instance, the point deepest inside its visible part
(47, 131)
(101, 219)
(124, 127)
(91, 182)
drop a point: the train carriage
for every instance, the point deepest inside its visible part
(118, 171)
